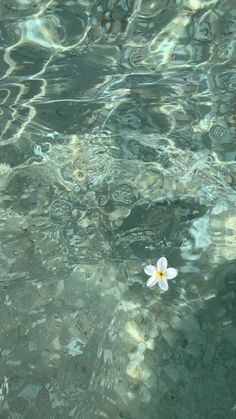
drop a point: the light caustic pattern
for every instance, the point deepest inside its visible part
(117, 148)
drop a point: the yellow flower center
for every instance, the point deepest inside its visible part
(160, 274)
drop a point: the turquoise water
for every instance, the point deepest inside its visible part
(117, 147)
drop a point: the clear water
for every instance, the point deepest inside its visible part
(117, 147)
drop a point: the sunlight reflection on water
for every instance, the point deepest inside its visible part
(117, 147)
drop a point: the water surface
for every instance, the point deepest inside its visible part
(117, 147)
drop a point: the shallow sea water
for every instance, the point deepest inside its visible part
(117, 146)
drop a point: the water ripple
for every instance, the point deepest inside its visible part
(117, 146)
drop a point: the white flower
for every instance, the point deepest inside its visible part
(160, 274)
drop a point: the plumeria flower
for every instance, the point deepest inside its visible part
(160, 274)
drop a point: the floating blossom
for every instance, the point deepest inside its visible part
(160, 274)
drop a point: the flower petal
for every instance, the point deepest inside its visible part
(163, 284)
(150, 270)
(171, 273)
(151, 281)
(162, 264)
